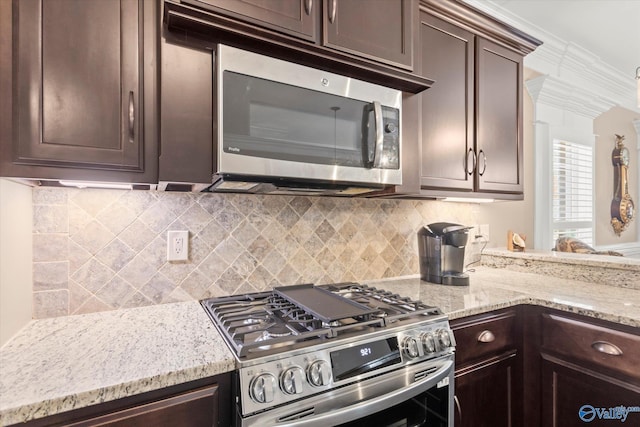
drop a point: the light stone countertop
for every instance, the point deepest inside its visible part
(59, 364)
(63, 363)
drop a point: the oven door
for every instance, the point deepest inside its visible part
(284, 120)
(416, 395)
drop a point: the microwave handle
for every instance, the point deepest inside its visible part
(374, 162)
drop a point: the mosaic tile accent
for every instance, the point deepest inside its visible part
(97, 250)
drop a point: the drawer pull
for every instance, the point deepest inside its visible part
(607, 348)
(486, 336)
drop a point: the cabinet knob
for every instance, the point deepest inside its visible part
(607, 348)
(486, 336)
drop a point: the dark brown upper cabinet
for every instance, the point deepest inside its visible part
(369, 40)
(83, 102)
(295, 17)
(468, 141)
(380, 30)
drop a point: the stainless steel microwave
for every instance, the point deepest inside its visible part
(295, 128)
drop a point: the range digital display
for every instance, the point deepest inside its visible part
(364, 358)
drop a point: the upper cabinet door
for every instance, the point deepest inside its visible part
(294, 17)
(78, 93)
(381, 30)
(498, 118)
(447, 148)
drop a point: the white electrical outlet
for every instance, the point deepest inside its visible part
(177, 245)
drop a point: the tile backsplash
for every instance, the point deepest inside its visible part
(97, 250)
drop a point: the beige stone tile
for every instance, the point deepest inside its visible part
(245, 288)
(77, 296)
(78, 218)
(288, 217)
(50, 247)
(301, 232)
(157, 217)
(213, 234)
(49, 196)
(274, 262)
(325, 231)
(196, 285)
(229, 249)
(177, 202)
(115, 292)
(49, 276)
(245, 203)
(92, 305)
(137, 235)
(155, 253)
(245, 233)
(229, 281)
(138, 272)
(138, 201)
(50, 304)
(260, 220)
(260, 248)
(95, 200)
(288, 276)
(313, 245)
(78, 256)
(244, 265)
(93, 275)
(229, 218)
(212, 202)
(195, 218)
(274, 204)
(158, 288)
(137, 300)
(50, 219)
(178, 295)
(300, 204)
(325, 258)
(260, 278)
(213, 266)
(300, 260)
(115, 255)
(93, 237)
(116, 217)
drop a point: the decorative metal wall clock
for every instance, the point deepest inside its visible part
(622, 208)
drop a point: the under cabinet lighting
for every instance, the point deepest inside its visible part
(467, 200)
(85, 184)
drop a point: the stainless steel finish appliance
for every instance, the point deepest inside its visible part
(345, 354)
(287, 127)
(441, 251)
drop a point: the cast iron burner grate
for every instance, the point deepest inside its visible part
(270, 322)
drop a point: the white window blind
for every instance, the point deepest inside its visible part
(572, 190)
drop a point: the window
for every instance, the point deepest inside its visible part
(572, 186)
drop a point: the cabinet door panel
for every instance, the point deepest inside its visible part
(498, 118)
(295, 17)
(78, 67)
(380, 29)
(567, 388)
(486, 394)
(447, 107)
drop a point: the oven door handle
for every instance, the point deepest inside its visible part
(376, 404)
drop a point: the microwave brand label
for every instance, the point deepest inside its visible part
(233, 149)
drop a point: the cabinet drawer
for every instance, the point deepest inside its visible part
(604, 347)
(484, 336)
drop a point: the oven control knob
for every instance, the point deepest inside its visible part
(291, 380)
(410, 345)
(319, 373)
(429, 342)
(262, 388)
(444, 338)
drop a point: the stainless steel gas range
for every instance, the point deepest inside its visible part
(345, 354)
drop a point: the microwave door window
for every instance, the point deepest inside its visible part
(262, 118)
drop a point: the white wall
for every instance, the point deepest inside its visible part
(16, 281)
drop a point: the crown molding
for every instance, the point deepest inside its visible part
(569, 61)
(558, 93)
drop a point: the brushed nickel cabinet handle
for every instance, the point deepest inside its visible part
(132, 117)
(471, 161)
(484, 162)
(308, 6)
(332, 11)
(607, 348)
(486, 336)
(458, 408)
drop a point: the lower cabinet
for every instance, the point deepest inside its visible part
(488, 379)
(197, 404)
(590, 371)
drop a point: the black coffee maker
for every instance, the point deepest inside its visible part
(441, 251)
